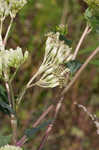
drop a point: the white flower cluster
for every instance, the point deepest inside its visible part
(10, 147)
(10, 7)
(56, 54)
(12, 58)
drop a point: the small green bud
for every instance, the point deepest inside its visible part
(10, 7)
(4, 9)
(26, 54)
(15, 6)
(1, 44)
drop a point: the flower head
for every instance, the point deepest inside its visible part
(57, 53)
(4, 9)
(10, 147)
(15, 57)
(15, 6)
(10, 7)
(11, 58)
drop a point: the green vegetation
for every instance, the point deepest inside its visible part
(73, 128)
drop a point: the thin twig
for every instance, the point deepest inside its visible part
(13, 118)
(44, 139)
(86, 31)
(24, 138)
(80, 70)
(48, 130)
(14, 74)
(26, 87)
(58, 106)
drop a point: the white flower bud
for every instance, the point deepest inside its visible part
(1, 44)
(11, 58)
(4, 8)
(15, 6)
(56, 53)
(10, 147)
(16, 57)
(10, 7)
(26, 54)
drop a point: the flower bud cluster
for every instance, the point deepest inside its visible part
(57, 52)
(12, 58)
(10, 7)
(10, 147)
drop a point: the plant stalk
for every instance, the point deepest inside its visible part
(59, 104)
(13, 117)
(8, 30)
(81, 40)
(10, 93)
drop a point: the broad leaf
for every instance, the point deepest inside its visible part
(3, 94)
(63, 38)
(4, 105)
(5, 108)
(31, 132)
(88, 14)
(73, 65)
(93, 19)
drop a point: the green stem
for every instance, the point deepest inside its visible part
(14, 74)
(26, 87)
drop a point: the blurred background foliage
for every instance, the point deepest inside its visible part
(73, 130)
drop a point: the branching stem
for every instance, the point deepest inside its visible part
(59, 104)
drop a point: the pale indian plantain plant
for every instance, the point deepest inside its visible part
(59, 67)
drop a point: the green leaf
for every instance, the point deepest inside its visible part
(31, 132)
(4, 140)
(88, 14)
(73, 65)
(3, 94)
(4, 104)
(63, 30)
(63, 38)
(93, 19)
(5, 108)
